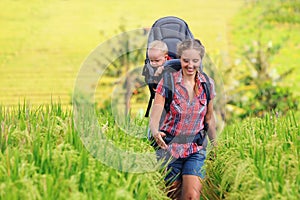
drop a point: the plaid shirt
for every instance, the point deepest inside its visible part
(185, 117)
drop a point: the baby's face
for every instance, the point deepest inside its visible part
(157, 57)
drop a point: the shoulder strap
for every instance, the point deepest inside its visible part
(206, 86)
(169, 89)
(168, 84)
(169, 67)
(168, 81)
(152, 94)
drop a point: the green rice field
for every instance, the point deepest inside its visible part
(44, 43)
(56, 144)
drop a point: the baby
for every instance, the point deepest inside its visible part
(158, 55)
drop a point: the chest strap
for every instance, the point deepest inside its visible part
(184, 139)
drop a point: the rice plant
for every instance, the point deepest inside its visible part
(43, 157)
(258, 159)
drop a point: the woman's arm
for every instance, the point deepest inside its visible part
(155, 116)
(210, 119)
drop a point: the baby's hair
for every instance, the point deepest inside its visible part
(158, 44)
(190, 44)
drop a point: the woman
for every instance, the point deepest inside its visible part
(187, 118)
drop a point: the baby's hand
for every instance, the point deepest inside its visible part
(159, 71)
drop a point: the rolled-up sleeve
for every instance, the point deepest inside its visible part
(160, 89)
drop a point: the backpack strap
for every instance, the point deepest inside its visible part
(168, 85)
(168, 81)
(149, 102)
(206, 86)
(169, 67)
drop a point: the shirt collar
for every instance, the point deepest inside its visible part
(179, 76)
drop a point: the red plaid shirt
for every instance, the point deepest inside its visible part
(185, 117)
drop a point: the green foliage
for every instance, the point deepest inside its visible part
(255, 83)
(271, 98)
(262, 91)
(43, 43)
(256, 159)
(42, 157)
(282, 11)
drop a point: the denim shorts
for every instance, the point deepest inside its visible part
(191, 165)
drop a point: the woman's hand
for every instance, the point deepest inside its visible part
(158, 136)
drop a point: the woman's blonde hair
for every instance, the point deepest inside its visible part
(190, 44)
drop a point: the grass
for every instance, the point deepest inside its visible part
(43, 157)
(258, 159)
(252, 24)
(43, 44)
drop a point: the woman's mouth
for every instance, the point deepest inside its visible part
(190, 69)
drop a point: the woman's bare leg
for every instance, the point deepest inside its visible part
(191, 187)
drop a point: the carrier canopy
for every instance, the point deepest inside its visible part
(170, 30)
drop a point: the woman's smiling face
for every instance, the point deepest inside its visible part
(190, 62)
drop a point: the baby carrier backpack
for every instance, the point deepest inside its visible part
(170, 30)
